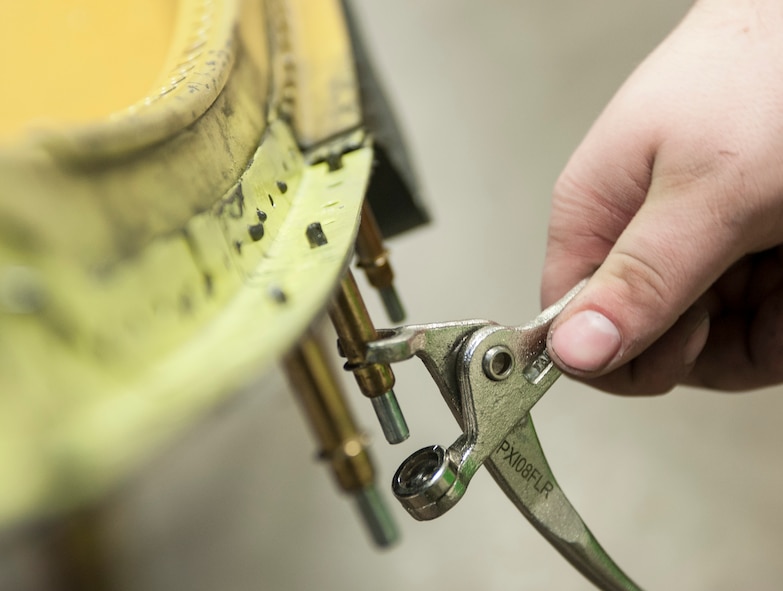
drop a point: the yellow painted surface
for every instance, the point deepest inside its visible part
(133, 294)
(79, 60)
(319, 90)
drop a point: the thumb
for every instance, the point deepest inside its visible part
(672, 250)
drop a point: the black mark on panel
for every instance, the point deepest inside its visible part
(256, 231)
(234, 206)
(334, 162)
(185, 304)
(315, 235)
(278, 295)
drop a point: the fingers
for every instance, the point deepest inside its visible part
(745, 347)
(646, 228)
(596, 197)
(678, 179)
(669, 254)
(655, 221)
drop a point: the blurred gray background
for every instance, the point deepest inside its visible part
(683, 490)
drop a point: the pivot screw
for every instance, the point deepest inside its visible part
(498, 363)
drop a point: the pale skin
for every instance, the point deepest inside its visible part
(673, 203)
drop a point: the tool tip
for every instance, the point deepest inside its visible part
(391, 301)
(390, 416)
(376, 516)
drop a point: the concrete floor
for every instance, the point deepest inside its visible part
(683, 490)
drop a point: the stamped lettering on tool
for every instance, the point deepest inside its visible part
(538, 368)
(526, 469)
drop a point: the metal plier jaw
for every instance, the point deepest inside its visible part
(490, 377)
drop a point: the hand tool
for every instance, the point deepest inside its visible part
(491, 376)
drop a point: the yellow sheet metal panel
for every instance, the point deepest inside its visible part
(153, 260)
(78, 413)
(103, 442)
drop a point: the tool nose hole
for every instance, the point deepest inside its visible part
(428, 483)
(420, 471)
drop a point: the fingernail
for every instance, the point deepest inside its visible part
(587, 341)
(697, 340)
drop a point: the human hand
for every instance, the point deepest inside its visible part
(674, 203)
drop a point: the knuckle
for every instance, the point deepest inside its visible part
(641, 282)
(586, 221)
(722, 189)
(607, 204)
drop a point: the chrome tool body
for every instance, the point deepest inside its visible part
(491, 376)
